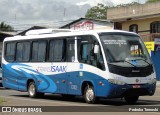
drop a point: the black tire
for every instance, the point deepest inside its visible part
(89, 95)
(131, 99)
(40, 95)
(32, 90)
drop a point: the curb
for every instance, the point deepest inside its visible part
(158, 84)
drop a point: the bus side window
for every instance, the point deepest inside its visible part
(86, 52)
(10, 51)
(23, 51)
(19, 52)
(39, 51)
(57, 50)
(71, 50)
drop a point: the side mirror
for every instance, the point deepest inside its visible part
(96, 49)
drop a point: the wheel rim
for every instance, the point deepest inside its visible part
(90, 94)
(32, 90)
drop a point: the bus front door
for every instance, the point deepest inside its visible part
(72, 69)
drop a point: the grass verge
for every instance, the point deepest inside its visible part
(2, 100)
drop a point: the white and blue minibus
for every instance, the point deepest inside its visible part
(92, 64)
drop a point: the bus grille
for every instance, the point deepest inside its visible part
(131, 71)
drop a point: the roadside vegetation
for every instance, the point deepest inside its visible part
(2, 100)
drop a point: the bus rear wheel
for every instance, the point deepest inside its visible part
(89, 95)
(32, 91)
(131, 99)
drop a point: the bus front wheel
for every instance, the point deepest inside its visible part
(89, 95)
(131, 99)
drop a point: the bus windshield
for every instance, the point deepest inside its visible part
(124, 48)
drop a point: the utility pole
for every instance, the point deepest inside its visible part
(64, 12)
(15, 17)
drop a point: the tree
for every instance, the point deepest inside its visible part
(100, 11)
(152, 1)
(6, 27)
(129, 4)
(97, 12)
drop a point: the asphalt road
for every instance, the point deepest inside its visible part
(56, 103)
(77, 104)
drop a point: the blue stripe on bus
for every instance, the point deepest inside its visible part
(20, 77)
(55, 84)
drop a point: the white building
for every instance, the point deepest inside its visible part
(89, 24)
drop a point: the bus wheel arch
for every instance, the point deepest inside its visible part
(28, 82)
(88, 92)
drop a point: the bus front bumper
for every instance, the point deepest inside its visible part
(132, 90)
(118, 91)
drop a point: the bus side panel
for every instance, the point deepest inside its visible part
(60, 82)
(9, 80)
(16, 75)
(100, 90)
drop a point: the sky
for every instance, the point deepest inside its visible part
(23, 14)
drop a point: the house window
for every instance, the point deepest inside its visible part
(155, 27)
(133, 28)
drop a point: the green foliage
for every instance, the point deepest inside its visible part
(6, 27)
(129, 4)
(97, 12)
(148, 1)
(100, 11)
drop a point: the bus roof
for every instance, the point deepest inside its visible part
(48, 33)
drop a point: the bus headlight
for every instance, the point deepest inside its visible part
(152, 81)
(115, 81)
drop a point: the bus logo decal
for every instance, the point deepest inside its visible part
(58, 68)
(53, 69)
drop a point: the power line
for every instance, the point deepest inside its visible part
(22, 26)
(54, 22)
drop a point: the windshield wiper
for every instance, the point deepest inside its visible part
(139, 59)
(130, 63)
(125, 61)
(144, 60)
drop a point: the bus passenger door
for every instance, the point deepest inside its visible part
(73, 82)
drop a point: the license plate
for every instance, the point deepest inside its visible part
(136, 86)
